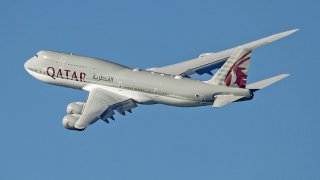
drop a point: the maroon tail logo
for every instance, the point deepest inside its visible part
(238, 73)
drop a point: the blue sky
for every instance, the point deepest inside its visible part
(275, 136)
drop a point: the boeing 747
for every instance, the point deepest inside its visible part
(116, 88)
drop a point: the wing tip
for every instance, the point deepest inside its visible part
(269, 39)
(287, 33)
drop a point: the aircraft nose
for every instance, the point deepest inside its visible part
(28, 63)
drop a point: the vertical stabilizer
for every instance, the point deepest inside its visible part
(234, 71)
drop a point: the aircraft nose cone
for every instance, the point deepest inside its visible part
(26, 65)
(29, 63)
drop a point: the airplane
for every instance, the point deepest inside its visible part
(116, 88)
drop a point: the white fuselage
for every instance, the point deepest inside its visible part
(145, 87)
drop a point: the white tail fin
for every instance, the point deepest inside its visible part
(234, 71)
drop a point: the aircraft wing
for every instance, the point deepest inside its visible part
(207, 62)
(101, 104)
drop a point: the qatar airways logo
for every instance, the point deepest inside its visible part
(238, 73)
(65, 74)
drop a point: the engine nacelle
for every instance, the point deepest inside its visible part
(75, 108)
(70, 120)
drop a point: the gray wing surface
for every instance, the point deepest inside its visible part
(201, 65)
(101, 104)
(210, 61)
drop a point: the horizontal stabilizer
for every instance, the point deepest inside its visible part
(267, 82)
(221, 100)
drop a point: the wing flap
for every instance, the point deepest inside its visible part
(120, 107)
(101, 105)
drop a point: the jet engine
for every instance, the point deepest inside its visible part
(70, 120)
(74, 111)
(75, 107)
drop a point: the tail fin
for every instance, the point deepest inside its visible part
(266, 82)
(234, 71)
